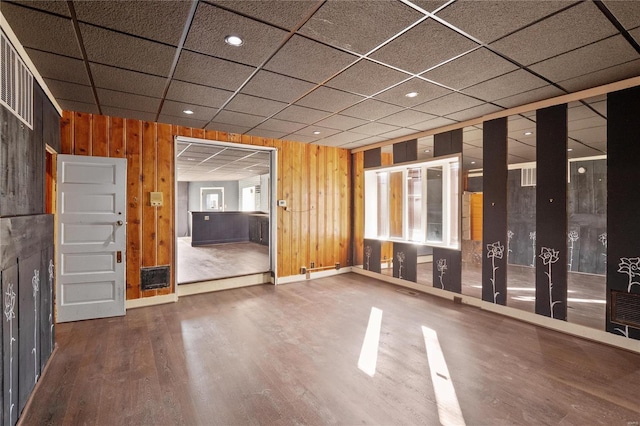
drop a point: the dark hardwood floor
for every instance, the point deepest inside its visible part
(289, 355)
(217, 261)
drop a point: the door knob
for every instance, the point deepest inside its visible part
(119, 223)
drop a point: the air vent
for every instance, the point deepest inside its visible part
(528, 176)
(16, 85)
(625, 308)
(154, 277)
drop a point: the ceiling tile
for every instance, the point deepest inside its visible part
(70, 91)
(324, 131)
(79, 107)
(161, 21)
(238, 119)
(57, 7)
(269, 85)
(538, 94)
(635, 34)
(424, 46)
(308, 60)
(198, 95)
(594, 57)
(470, 69)
(55, 34)
(341, 122)
(506, 85)
(225, 127)
(367, 141)
(474, 112)
(586, 123)
(130, 101)
(433, 124)
(406, 118)
(130, 114)
(371, 110)
(214, 72)
(327, 99)
(627, 12)
(490, 20)
(573, 28)
(211, 25)
(280, 126)
(374, 128)
(593, 136)
(123, 51)
(429, 5)
(366, 78)
(283, 13)
(266, 133)
(59, 67)
(334, 23)
(297, 137)
(341, 138)
(607, 75)
(301, 114)
(254, 105)
(399, 133)
(182, 121)
(200, 113)
(448, 104)
(424, 89)
(138, 83)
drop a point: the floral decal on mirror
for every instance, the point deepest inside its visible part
(442, 267)
(400, 256)
(367, 252)
(631, 267)
(572, 237)
(494, 251)
(550, 256)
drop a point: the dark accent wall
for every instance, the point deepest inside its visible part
(551, 212)
(373, 158)
(521, 220)
(447, 143)
(372, 256)
(623, 202)
(494, 223)
(405, 151)
(405, 261)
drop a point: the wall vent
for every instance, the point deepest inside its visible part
(16, 83)
(625, 308)
(155, 277)
(528, 176)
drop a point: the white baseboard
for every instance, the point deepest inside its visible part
(151, 301)
(223, 284)
(581, 331)
(313, 275)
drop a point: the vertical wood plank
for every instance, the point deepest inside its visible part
(133, 143)
(117, 147)
(197, 133)
(345, 211)
(100, 136)
(322, 203)
(149, 213)
(211, 135)
(82, 133)
(165, 184)
(234, 137)
(358, 208)
(312, 161)
(66, 133)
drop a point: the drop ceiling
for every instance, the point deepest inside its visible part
(330, 72)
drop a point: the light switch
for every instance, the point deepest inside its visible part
(155, 198)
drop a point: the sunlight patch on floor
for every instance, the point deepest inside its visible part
(369, 352)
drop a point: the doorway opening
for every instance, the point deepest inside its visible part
(225, 210)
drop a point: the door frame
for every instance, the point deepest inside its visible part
(273, 202)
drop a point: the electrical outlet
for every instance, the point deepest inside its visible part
(282, 203)
(313, 265)
(337, 265)
(303, 270)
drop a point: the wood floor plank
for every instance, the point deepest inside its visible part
(289, 355)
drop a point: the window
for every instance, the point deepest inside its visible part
(414, 202)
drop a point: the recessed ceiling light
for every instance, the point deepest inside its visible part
(233, 40)
(569, 149)
(188, 111)
(527, 133)
(411, 94)
(316, 132)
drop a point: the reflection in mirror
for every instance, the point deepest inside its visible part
(425, 253)
(587, 212)
(472, 211)
(521, 211)
(396, 204)
(386, 249)
(414, 204)
(434, 204)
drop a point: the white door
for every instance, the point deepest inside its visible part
(91, 237)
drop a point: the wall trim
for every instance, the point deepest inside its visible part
(151, 301)
(27, 60)
(313, 275)
(570, 97)
(574, 330)
(223, 284)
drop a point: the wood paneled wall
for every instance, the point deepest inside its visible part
(314, 180)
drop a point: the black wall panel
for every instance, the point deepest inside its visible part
(29, 355)
(50, 125)
(494, 218)
(447, 269)
(521, 221)
(405, 261)
(447, 143)
(373, 158)
(46, 324)
(10, 344)
(623, 203)
(372, 254)
(405, 151)
(551, 212)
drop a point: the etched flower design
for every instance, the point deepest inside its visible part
(548, 255)
(603, 238)
(495, 250)
(35, 281)
(631, 267)
(441, 264)
(9, 302)
(400, 256)
(367, 252)
(532, 235)
(50, 270)
(573, 236)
